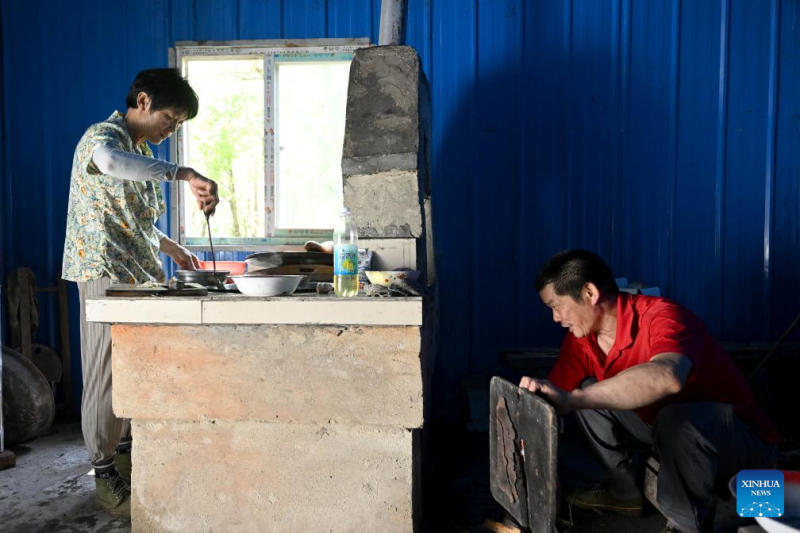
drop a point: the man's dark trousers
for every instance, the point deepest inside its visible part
(700, 446)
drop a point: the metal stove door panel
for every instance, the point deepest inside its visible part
(523, 433)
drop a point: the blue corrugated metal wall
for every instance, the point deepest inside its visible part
(662, 134)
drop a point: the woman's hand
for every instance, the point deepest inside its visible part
(204, 189)
(184, 259)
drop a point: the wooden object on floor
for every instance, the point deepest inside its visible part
(63, 326)
(21, 281)
(523, 444)
(7, 459)
(66, 361)
(651, 481)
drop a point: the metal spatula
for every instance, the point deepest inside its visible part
(219, 284)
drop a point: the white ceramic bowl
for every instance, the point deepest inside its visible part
(274, 285)
(385, 278)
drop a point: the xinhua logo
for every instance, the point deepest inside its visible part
(759, 493)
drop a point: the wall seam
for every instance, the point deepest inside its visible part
(721, 155)
(770, 161)
(675, 69)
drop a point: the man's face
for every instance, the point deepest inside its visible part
(160, 124)
(579, 317)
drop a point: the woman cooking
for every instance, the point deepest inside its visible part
(114, 203)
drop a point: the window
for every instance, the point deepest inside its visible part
(270, 132)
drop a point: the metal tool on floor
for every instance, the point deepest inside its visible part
(28, 401)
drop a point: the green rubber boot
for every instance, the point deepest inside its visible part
(122, 462)
(112, 495)
(601, 499)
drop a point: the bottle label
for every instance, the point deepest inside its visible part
(345, 260)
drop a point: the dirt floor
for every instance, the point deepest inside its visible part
(49, 489)
(460, 499)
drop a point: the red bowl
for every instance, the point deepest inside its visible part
(236, 268)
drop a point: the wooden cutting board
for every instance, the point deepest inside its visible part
(524, 486)
(133, 291)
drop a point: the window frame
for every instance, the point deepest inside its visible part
(267, 49)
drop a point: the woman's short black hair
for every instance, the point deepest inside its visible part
(166, 88)
(569, 271)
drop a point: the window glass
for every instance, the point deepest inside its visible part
(310, 117)
(270, 132)
(225, 142)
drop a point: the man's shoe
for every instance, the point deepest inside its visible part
(112, 495)
(122, 462)
(600, 498)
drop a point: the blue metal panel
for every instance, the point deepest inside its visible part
(662, 134)
(260, 19)
(495, 224)
(351, 18)
(418, 30)
(304, 19)
(544, 194)
(64, 126)
(4, 222)
(152, 30)
(701, 93)
(182, 20)
(785, 244)
(216, 20)
(750, 129)
(648, 141)
(454, 155)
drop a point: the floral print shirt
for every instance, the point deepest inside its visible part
(111, 221)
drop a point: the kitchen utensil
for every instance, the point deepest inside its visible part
(207, 278)
(384, 278)
(263, 260)
(267, 285)
(133, 291)
(314, 272)
(236, 268)
(211, 242)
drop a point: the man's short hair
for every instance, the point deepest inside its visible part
(569, 271)
(166, 88)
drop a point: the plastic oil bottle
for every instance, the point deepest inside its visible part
(345, 256)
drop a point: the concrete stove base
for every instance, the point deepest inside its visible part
(271, 477)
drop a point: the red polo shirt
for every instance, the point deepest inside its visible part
(648, 326)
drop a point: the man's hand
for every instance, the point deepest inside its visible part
(559, 398)
(641, 385)
(204, 189)
(184, 259)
